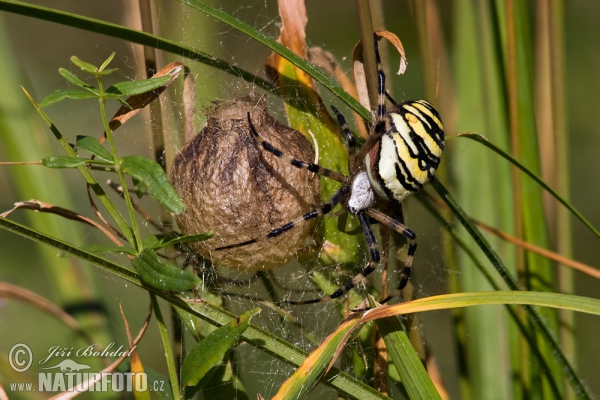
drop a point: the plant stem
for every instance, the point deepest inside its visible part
(136, 230)
(167, 344)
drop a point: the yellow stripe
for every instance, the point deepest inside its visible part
(425, 108)
(417, 126)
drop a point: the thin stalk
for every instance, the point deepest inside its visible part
(136, 230)
(164, 335)
(366, 34)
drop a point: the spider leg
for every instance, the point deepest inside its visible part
(390, 99)
(317, 169)
(349, 139)
(370, 267)
(412, 248)
(317, 212)
(379, 124)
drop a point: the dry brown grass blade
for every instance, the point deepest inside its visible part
(434, 373)
(83, 387)
(13, 292)
(567, 262)
(100, 216)
(136, 364)
(358, 68)
(40, 206)
(138, 102)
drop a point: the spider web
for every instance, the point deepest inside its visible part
(259, 372)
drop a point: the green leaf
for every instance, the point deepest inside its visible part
(107, 61)
(211, 349)
(162, 275)
(74, 79)
(155, 178)
(93, 146)
(73, 94)
(87, 67)
(100, 249)
(107, 71)
(413, 375)
(64, 161)
(132, 88)
(171, 238)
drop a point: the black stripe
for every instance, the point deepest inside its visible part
(425, 157)
(409, 234)
(412, 248)
(247, 242)
(375, 173)
(279, 231)
(436, 132)
(269, 147)
(368, 269)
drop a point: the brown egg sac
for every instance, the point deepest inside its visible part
(232, 186)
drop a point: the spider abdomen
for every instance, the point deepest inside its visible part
(408, 152)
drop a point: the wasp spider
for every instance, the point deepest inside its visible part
(400, 156)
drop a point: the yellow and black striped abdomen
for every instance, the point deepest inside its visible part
(408, 152)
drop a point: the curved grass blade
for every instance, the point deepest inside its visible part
(481, 139)
(146, 39)
(316, 364)
(534, 316)
(132, 35)
(164, 335)
(582, 304)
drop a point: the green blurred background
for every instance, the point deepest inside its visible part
(32, 51)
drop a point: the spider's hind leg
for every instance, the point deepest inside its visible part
(412, 248)
(375, 257)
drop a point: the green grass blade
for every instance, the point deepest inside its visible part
(481, 139)
(414, 377)
(582, 304)
(534, 316)
(481, 185)
(164, 335)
